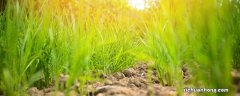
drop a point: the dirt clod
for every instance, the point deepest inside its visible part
(55, 93)
(46, 90)
(119, 75)
(114, 91)
(35, 92)
(103, 76)
(134, 82)
(129, 72)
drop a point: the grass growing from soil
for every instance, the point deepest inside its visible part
(41, 39)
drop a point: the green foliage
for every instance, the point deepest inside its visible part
(235, 17)
(112, 57)
(41, 39)
(38, 45)
(200, 36)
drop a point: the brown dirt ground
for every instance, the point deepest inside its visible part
(136, 81)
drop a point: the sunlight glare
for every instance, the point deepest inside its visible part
(138, 4)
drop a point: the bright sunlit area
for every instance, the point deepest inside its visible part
(139, 4)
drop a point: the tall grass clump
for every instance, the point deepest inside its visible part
(167, 41)
(235, 5)
(113, 40)
(197, 34)
(43, 39)
(33, 56)
(113, 56)
(2, 26)
(212, 46)
(39, 43)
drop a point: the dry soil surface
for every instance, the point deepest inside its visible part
(136, 81)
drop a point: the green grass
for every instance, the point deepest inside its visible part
(200, 36)
(39, 40)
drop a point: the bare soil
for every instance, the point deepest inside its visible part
(137, 81)
(134, 81)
